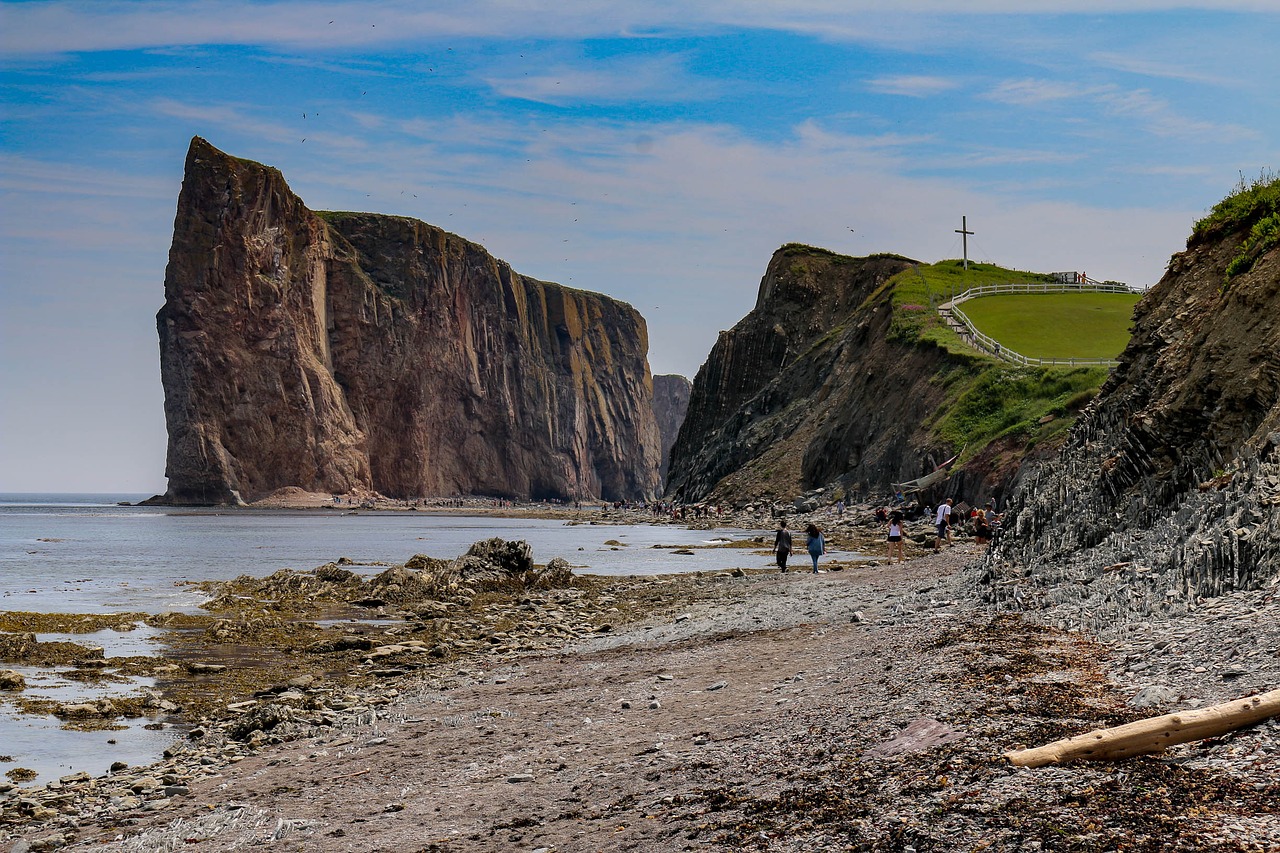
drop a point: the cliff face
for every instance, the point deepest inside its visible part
(808, 389)
(344, 352)
(1169, 485)
(670, 404)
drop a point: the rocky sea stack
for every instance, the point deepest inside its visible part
(1168, 488)
(351, 352)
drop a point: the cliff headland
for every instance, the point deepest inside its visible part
(350, 353)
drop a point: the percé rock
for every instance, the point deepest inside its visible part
(810, 390)
(1168, 487)
(345, 352)
(670, 404)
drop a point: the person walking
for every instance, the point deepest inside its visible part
(816, 545)
(943, 523)
(895, 536)
(782, 545)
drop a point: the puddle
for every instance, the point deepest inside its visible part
(39, 743)
(55, 686)
(140, 642)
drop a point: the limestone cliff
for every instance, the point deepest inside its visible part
(1169, 485)
(349, 352)
(670, 404)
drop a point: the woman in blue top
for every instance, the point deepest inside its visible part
(816, 545)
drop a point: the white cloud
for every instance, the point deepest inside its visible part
(1030, 93)
(1143, 109)
(660, 78)
(59, 26)
(1155, 68)
(912, 86)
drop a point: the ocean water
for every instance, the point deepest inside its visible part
(86, 554)
(82, 553)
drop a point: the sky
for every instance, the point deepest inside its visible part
(657, 152)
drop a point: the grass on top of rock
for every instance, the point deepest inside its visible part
(917, 292)
(1254, 203)
(1056, 325)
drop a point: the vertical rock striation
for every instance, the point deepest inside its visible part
(1168, 488)
(344, 352)
(670, 404)
(809, 389)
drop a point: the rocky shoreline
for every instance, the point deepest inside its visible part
(859, 709)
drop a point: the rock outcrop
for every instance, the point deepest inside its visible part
(670, 404)
(347, 352)
(810, 389)
(1168, 488)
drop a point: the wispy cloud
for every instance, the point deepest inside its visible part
(1164, 70)
(60, 26)
(241, 119)
(1145, 110)
(1030, 93)
(1158, 117)
(912, 86)
(650, 78)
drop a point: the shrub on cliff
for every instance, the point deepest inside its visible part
(1254, 204)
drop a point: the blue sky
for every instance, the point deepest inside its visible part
(656, 152)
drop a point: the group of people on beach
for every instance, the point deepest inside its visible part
(984, 524)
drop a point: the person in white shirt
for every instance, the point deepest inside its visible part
(943, 523)
(895, 536)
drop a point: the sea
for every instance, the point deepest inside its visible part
(99, 553)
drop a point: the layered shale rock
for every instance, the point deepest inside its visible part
(346, 352)
(809, 389)
(670, 403)
(1168, 488)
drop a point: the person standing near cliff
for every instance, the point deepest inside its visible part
(782, 545)
(895, 536)
(943, 523)
(816, 545)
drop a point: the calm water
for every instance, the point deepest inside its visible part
(85, 554)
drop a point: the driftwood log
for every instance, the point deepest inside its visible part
(1152, 734)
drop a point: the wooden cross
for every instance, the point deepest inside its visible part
(964, 231)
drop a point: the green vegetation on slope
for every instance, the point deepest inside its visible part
(1056, 325)
(1255, 203)
(1005, 401)
(989, 399)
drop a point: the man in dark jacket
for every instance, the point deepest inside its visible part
(782, 545)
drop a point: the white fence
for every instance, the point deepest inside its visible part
(994, 347)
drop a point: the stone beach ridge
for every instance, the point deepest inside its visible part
(859, 709)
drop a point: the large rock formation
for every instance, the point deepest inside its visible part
(808, 389)
(349, 352)
(670, 404)
(1169, 485)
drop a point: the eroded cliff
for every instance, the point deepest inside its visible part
(843, 378)
(779, 407)
(670, 404)
(345, 352)
(1169, 485)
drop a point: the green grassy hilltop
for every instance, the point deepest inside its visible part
(1056, 325)
(990, 399)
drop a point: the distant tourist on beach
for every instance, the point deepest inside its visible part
(816, 545)
(895, 536)
(943, 523)
(782, 545)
